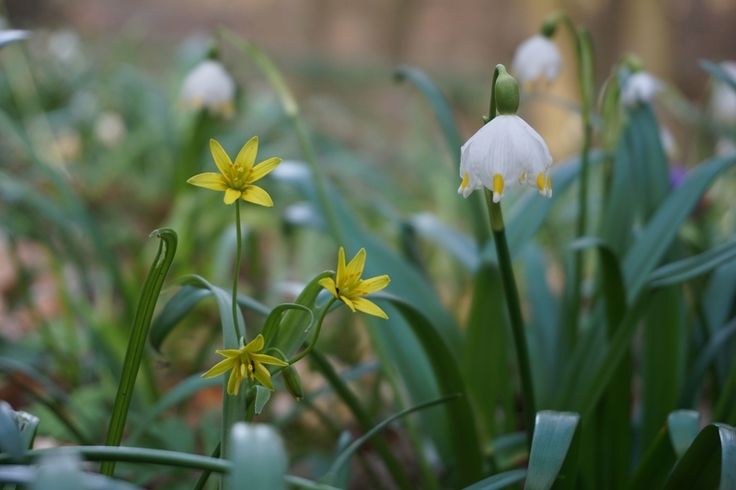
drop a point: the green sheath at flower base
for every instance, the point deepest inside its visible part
(245, 363)
(236, 179)
(507, 93)
(348, 287)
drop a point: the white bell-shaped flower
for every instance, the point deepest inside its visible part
(723, 98)
(504, 152)
(640, 87)
(211, 87)
(536, 58)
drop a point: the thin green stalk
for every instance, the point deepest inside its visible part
(238, 254)
(202, 480)
(511, 292)
(514, 306)
(584, 50)
(235, 408)
(363, 418)
(345, 456)
(315, 335)
(291, 108)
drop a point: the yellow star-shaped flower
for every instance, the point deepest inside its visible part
(236, 179)
(245, 363)
(348, 287)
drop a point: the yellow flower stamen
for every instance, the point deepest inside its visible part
(245, 363)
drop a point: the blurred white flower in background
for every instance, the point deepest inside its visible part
(723, 97)
(536, 58)
(669, 145)
(110, 129)
(640, 87)
(209, 86)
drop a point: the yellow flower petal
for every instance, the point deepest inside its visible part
(256, 195)
(220, 156)
(263, 168)
(255, 345)
(373, 284)
(209, 180)
(231, 195)
(263, 376)
(233, 353)
(247, 155)
(329, 285)
(340, 276)
(355, 267)
(233, 384)
(348, 302)
(219, 368)
(369, 307)
(266, 359)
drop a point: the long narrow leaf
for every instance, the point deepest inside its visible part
(554, 441)
(139, 331)
(460, 415)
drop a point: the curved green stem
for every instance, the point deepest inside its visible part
(363, 418)
(321, 318)
(513, 304)
(130, 455)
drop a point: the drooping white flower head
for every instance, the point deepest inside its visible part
(640, 87)
(536, 58)
(209, 86)
(723, 98)
(503, 152)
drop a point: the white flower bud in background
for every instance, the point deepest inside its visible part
(640, 87)
(209, 86)
(723, 97)
(536, 58)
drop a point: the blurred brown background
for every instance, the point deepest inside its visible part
(450, 39)
(669, 35)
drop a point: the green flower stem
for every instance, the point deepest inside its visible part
(511, 291)
(291, 108)
(584, 51)
(362, 417)
(321, 318)
(205, 475)
(238, 254)
(514, 307)
(234, 408)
